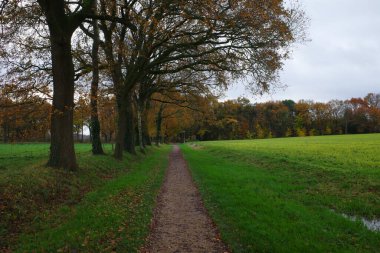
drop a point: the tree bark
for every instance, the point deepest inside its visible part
(139, 126)
(158, 124)
(130, 136)
(140, 131)
(121, 129)
(62, 152)
(116, 74)
(61, 28)
(94, 121)
(146, 138)
(145, 129)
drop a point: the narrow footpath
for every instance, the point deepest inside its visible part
(181, 223)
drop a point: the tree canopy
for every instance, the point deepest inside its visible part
(133, 49)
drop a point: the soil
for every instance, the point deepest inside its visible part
(181, 222)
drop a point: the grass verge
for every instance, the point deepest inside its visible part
(105, 206)
(285, 195)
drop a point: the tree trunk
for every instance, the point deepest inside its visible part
(158, 124)
(94, 121)
(121, 129)
(61, 27)
(130, 139)
(145, 129)
(62, 152)
(139, 126)
(116, 74)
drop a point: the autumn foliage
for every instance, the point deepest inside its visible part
(24, 116)
(68, 51)
(240, 119)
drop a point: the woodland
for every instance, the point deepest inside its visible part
(128, 69)
(205, 119)
(92, 90)
(137, 72)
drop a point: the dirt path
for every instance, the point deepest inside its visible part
(181, 223)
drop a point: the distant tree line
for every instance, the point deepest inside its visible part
(179, 118)
(23, 117)
(240, 119)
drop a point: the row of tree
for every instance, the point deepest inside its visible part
(239, 119)
(205, 118)
(133, 49)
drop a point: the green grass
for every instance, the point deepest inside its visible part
(105, 206)
(286, 195)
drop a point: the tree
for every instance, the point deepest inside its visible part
(61, 27)
(61, 23)
(81, 116)
(94, 121)
(226, 39)
(107, 116)
(303, 116)
(320, 117)
(337, 113)
(223, 40)
(61, 18)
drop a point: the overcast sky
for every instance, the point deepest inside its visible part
(341, 61)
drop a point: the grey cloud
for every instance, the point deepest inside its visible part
(341, 61)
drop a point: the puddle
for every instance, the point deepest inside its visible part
(373, 225)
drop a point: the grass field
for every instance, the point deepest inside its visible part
(288, 195)
(106, 206)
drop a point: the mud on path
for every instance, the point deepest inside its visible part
(181, 223)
